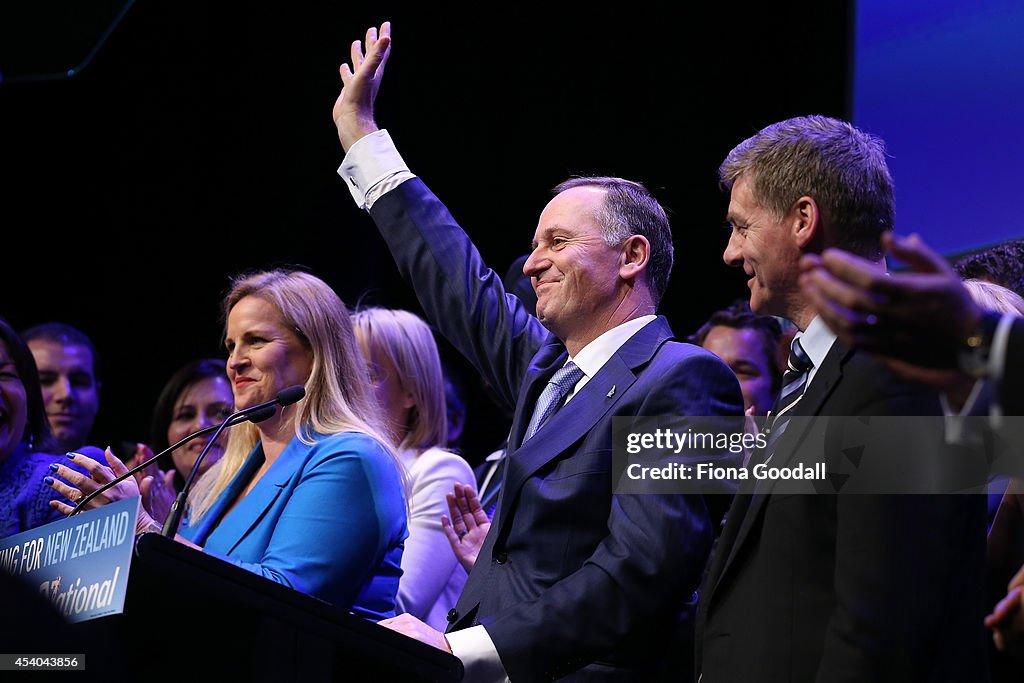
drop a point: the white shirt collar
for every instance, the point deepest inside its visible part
(594, 355)
(816, 342)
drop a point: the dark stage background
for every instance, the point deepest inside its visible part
(198, 143)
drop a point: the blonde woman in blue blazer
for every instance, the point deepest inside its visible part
(311, 498)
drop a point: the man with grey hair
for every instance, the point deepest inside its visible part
(833, 587)
(572, 579)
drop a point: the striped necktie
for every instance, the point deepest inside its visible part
(558, 386)
(794, 382)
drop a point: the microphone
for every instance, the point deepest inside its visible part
(265, 410)
(254, 416)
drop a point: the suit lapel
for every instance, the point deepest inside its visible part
(748, 509)
(250, 510)
(571, 423)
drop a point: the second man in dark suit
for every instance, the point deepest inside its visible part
(834, 587)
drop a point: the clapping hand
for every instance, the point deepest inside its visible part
(468, 525)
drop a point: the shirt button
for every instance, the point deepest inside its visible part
(501, 558)
(453, 615)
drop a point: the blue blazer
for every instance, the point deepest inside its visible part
(327, 519)
(572, 580)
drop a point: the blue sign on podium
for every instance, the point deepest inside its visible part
(80, 563)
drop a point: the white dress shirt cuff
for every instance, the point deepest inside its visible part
(372, 168)
(479, 656)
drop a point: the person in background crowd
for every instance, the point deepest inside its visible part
(68, 364)
(405, 370)
(198, 395)
(748, 344)
(1000, 264)
(26, 460)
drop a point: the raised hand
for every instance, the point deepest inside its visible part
(142, 454)
(891, 314)
(158, 494)
(467, 528)
(353, 110)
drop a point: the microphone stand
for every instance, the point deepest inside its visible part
(285, 397)
(238, 419)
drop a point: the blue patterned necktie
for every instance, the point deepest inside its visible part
(558, 386)
(794, 382)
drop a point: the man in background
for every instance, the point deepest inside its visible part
(67, 363)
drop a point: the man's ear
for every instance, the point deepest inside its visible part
(634, 255)
(805, 222)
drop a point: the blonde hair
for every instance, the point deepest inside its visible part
(407, 341)
(337, 391)
(993, 297)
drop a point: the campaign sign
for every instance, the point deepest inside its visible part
(80, 563)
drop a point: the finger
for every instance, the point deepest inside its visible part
(74, 477)
(473, 501)
(999, 640)
(371, 38)
(64, 508)
(453, 506)
(376, 57)
(69, 492)
(116, 465)
(915, 253)
(356, 55)
(346, 74)
(1005, 607)
(809, 262)
(836, 318)
(461, 499)
(88, 464)
(168, 479)
(449, 532)
(384, 44)
(841, 292)
(853, 270)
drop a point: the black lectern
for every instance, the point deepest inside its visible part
(191, 617)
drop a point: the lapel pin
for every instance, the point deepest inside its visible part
(611, 392)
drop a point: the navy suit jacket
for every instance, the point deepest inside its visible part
(571, 580)
(849, 587)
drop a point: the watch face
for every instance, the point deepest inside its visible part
(974, 355)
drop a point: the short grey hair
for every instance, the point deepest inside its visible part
(630, 209)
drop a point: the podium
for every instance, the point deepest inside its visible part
(192, 617)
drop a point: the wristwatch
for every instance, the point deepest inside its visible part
(973, 356)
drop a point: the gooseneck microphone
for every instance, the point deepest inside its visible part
(251, 416)
(285, 397)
